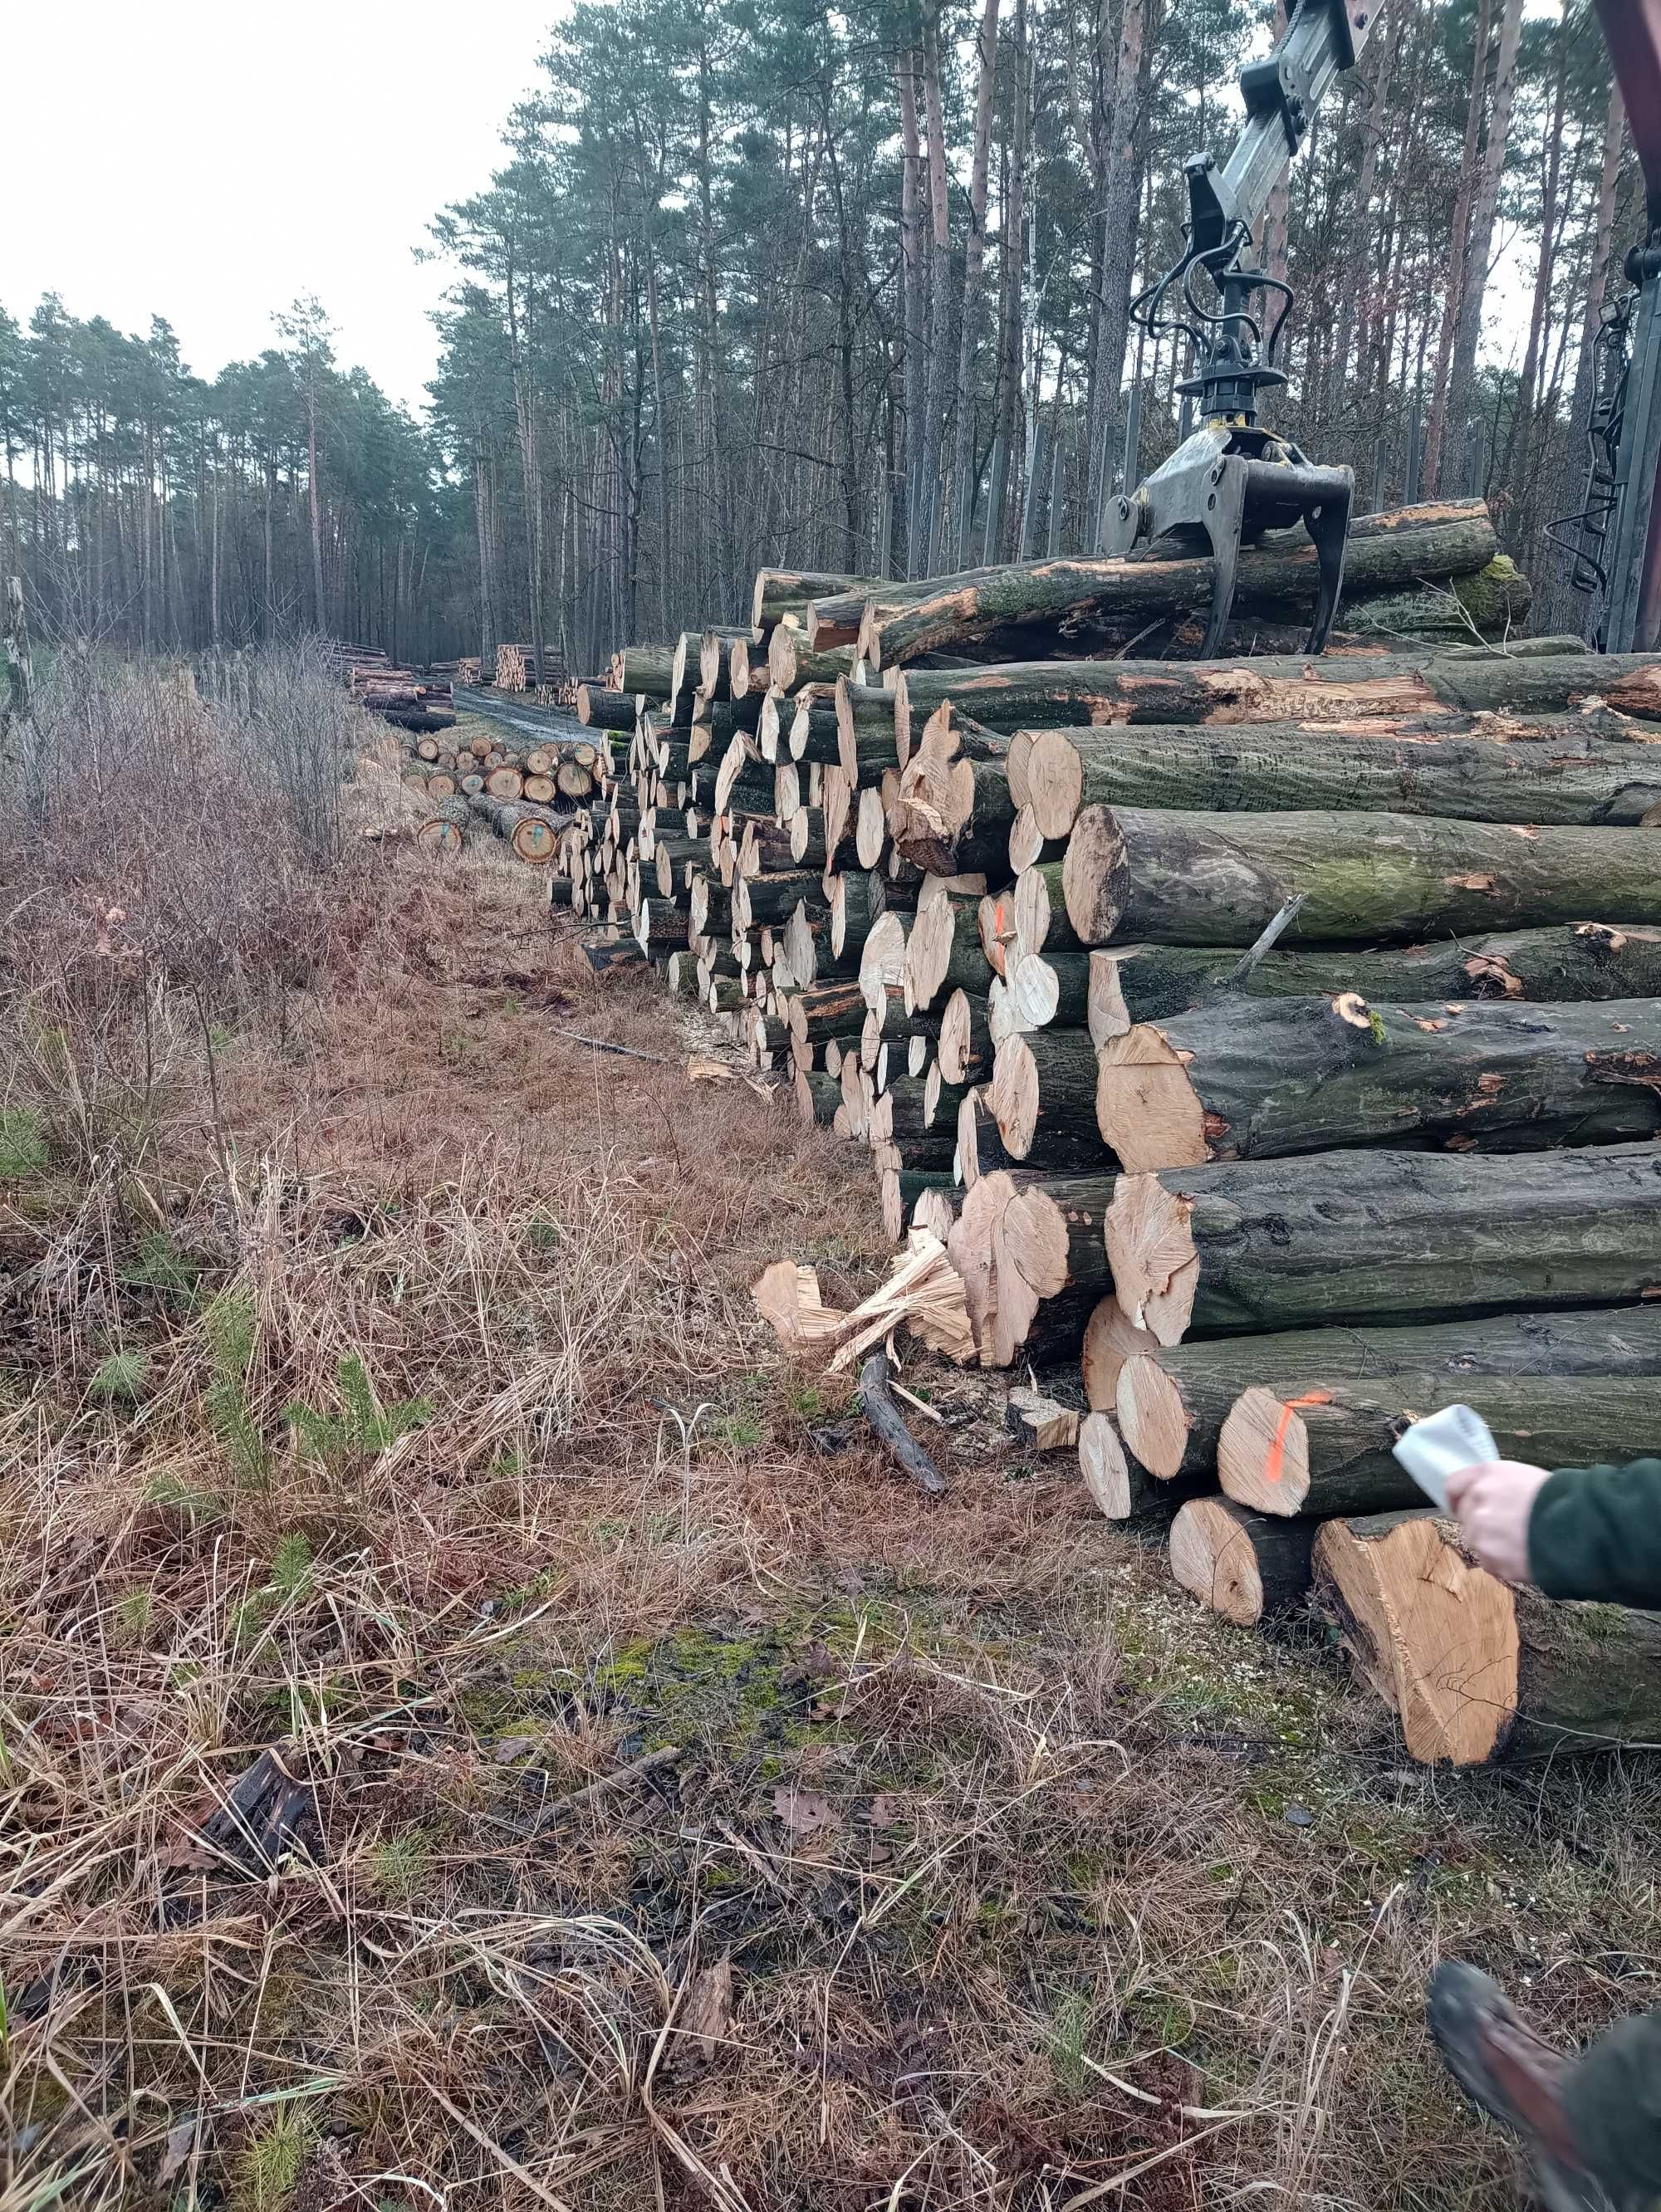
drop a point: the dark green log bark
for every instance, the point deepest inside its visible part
(1043, 1093)
(1247, 1080)
(645, 668)
(1170, 1404)
(1336, 1456)
(1561, 774)
(1477, 1672)
(1133, 873)
(1271, 1244)
(1076, 596)
(1344, 688)
(1584, 960)
(600, 709)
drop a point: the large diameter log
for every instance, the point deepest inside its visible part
(1329, 1449)
(1171, 1404)
(1249, 1079)
(943, 953)
(1134, 872)
(1118, 1490)
(1332, 1237)
(1384, 552)
(952, 815)
(1028, 1247)
(600, 709)
(1581, 960)
(1241, 1564)
(966, 1045)
(1476, 1671)
(647, 668)
(1334, 688)
(1560, 776)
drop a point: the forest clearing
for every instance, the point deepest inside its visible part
(485, 1718)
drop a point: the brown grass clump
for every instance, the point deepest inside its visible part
(383, 1413)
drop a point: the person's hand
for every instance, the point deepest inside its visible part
(1493, 1502)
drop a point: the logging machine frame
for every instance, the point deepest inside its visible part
(1232, 479)
(1616, 538)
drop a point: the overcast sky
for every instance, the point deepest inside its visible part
(208, 161)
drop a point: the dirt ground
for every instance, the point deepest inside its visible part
(381, 1393)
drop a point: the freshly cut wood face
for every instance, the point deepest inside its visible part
(1152, 1254)
(1101, 1464)
(1147, 1108)
(1111, 1340)
(1211, 1558)
(1435, 1636)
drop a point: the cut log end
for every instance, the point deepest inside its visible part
(1262, 1453)
(1237, 1563)
(1103, 1465)
(1110, 1340)
(1152, 1416)
(1151, 1256)
(1147, 1108)
(1435, 1636)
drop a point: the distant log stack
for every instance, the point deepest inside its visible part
(1280, 1038)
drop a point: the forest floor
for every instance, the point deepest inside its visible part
(395, 1400)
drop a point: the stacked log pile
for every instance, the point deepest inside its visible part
(1010, 923)
(421, 701)
(523, 787)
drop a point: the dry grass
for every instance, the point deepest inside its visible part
(379, 1383)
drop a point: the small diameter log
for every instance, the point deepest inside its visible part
(1251, 1079)
(1041, 1424)
(1328, 1450)
(1560, 775)
(1477, 1672)
(787, 594)
(1028, 1248)
(1118, 1489)
(1241, 1564)
(902, 1187)
(660, 926)
(882, 959)
(1330, 1236)
(965, 1047)
(792, 662)
(876, 1395)
(1221, 878)
(1171, 1404)
(943, 953)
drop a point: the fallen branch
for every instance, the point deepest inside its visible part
(599, 1044)
(884, 1415)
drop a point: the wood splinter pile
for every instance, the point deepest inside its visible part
(999, 918)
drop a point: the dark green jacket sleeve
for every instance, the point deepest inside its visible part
(1595, 1532)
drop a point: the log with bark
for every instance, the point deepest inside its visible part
(1134, 873)
(1329, 691)
(1111, 598)
(1551, 772)
(1328, 1450)
(1476, 1671)
(1249, 1079)
(1330, 1237)
(784, 594)
(1029, 1250)
(1241, 1564)
(1584, 960)
(599, 710)
(1171, 1403)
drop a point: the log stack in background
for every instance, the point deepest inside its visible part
(995, 919)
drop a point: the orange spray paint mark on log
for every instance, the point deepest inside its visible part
(1274, 1463)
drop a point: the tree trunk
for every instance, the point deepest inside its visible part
(974, 264)
(1172, 1404)
(1266, 1244)
(1378, 65)
(1459, 246)
(1119, 237)
(1548, 774)
(1255, 1079)
(1385, 553)
(1331, 1451)
(1586, 960)
(914, 303)
(1365, 687)
(1134, 873)
(1475, 276)
(1241, 1564)
(1476, 1671)
(1029, 1248)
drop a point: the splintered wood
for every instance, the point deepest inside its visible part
(922, 1294)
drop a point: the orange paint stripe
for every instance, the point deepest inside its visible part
(1274, 1464)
